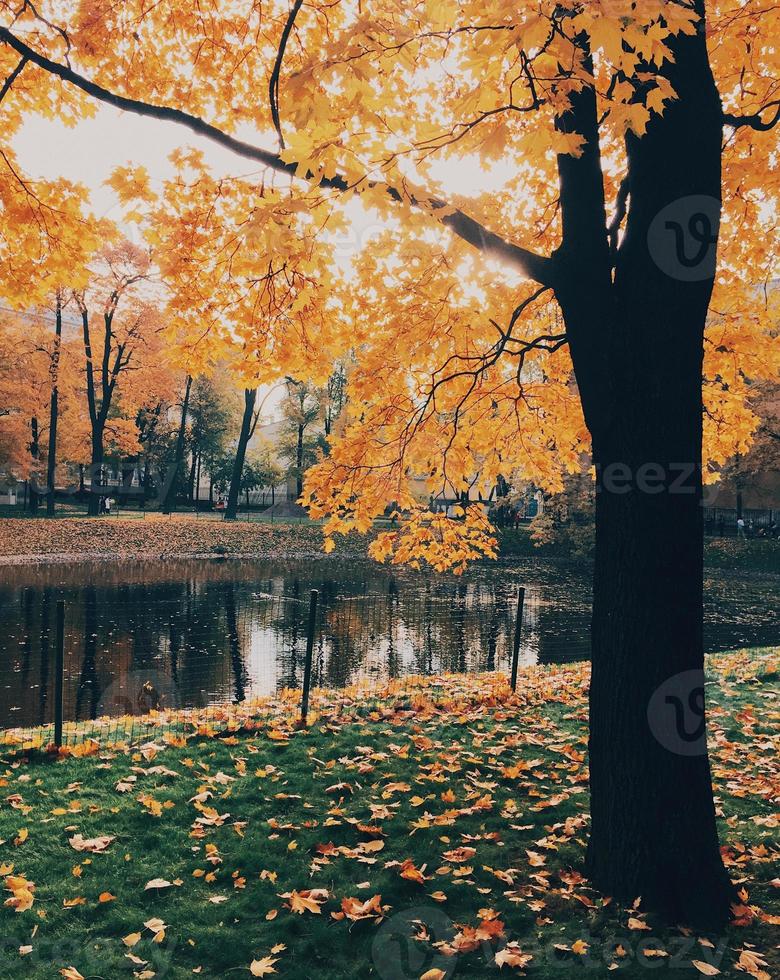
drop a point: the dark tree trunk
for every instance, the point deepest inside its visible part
(299, 462)
(35, 452)
(96, 471)
(637, 348)
(51, 459)
(172, 477)
(191, 478)
(99, 408)
(231, 509)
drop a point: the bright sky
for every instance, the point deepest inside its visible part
(89, 152)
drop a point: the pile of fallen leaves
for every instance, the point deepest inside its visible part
(439, 830)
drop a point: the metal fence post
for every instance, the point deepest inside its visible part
(309, 652)
(59, 668)
(516, 644)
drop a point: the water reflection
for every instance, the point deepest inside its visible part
(192, 633)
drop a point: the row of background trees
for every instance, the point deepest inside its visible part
(89, 386)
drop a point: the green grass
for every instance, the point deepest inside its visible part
(287, 799)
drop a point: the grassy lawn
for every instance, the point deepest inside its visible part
(435, 830)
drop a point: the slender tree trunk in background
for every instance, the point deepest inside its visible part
(197, 483)
(172, 477)
(637, 347)
(231, 509)
(191, 478)
(35, 452)
(246, 497)
(51, 459)
(96, 471)
(211, 490)
(95, 416)
(299, 462)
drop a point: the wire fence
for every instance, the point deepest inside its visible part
(125, 665)
(178, 665)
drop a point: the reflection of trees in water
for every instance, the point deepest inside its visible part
(283, 617)
(376, 636)
(45, 651)
(89, 686)
(240, 678)
(28, 606)
(226, 631)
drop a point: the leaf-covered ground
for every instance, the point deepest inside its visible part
(434, 834)
(155, 536)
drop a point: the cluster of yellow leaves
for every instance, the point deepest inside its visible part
(441, 542)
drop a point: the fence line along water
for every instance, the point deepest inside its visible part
(279, 650)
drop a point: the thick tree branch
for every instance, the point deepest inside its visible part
(585, 292)
(12, 78)
(273, 84)
(537, 267)
(756, 120)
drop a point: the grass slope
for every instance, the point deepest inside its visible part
(439, 829)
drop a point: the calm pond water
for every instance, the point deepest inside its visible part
(193, 633)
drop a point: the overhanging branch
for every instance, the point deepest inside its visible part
(273, 85)
(755, 120)
(537, 267)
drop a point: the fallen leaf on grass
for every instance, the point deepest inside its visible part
(307, 900)
(94, 845)
(634, 923)
(752, 963)
(512, 955)
(706, 968)
(355, 910)
(21, 892)
(260, 968)
(158, 927)
(158, 883)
